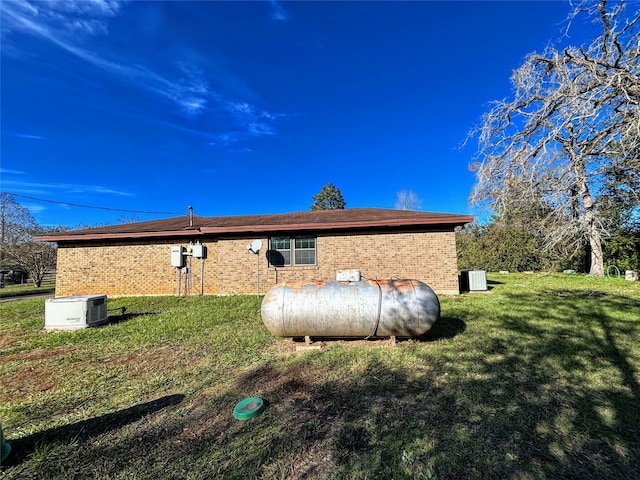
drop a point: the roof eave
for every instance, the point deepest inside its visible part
(452, 221)
(117, 236)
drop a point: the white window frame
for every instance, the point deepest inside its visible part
(292, 250)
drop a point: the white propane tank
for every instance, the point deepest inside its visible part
(367, 308)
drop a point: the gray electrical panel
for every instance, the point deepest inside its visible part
(177, 256)
(198, 250)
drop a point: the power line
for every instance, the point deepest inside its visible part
(94, 207)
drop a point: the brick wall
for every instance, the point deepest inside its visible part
(115, 269)
(120, 268)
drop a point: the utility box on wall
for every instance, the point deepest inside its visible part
(198, 251)
(177, 256)
(348, 275)
(473, 280)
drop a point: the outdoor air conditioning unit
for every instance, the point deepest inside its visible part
(73, 313)
(473, 280)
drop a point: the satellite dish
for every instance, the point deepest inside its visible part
(255, 246)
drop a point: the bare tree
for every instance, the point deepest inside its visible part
(407, 200)
(17, 248)
(124, 219)
(573, 114)
(15, 221)
(16, 225)
(35, 258)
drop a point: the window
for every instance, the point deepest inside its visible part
(292, 251)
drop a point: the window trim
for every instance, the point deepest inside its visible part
(292, 250)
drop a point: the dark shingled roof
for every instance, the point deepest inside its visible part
(317, 220)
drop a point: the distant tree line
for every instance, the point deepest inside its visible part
(513, 246)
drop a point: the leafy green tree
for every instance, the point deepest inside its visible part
(329, 198)
(498, 246)
(623, 251)
(619, 206)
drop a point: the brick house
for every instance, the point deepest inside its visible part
(136, 258)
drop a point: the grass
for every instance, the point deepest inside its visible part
(538, 378)
(19, 290)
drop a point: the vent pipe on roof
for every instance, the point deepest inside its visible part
(190, 215)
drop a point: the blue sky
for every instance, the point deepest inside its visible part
(251, 107)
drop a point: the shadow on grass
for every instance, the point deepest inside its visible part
(540, 385)
(113, 319)
(445, 328)
(17, 294)
(81, 432)
(535, 399)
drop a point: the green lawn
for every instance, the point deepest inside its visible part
(537, 378)
(13, 291)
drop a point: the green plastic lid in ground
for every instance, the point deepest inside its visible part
(248, 408)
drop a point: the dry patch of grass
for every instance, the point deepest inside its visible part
(537, 379)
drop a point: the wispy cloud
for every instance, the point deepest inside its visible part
(59, 19)
(24, 135)
(258, 122)
(66, 23)
(34, 207)
(5, 171)
(61, 22)
(19, 186)
(182, 128)
(110, 191)
(278, 13)
(190, 94)
(224, 140)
